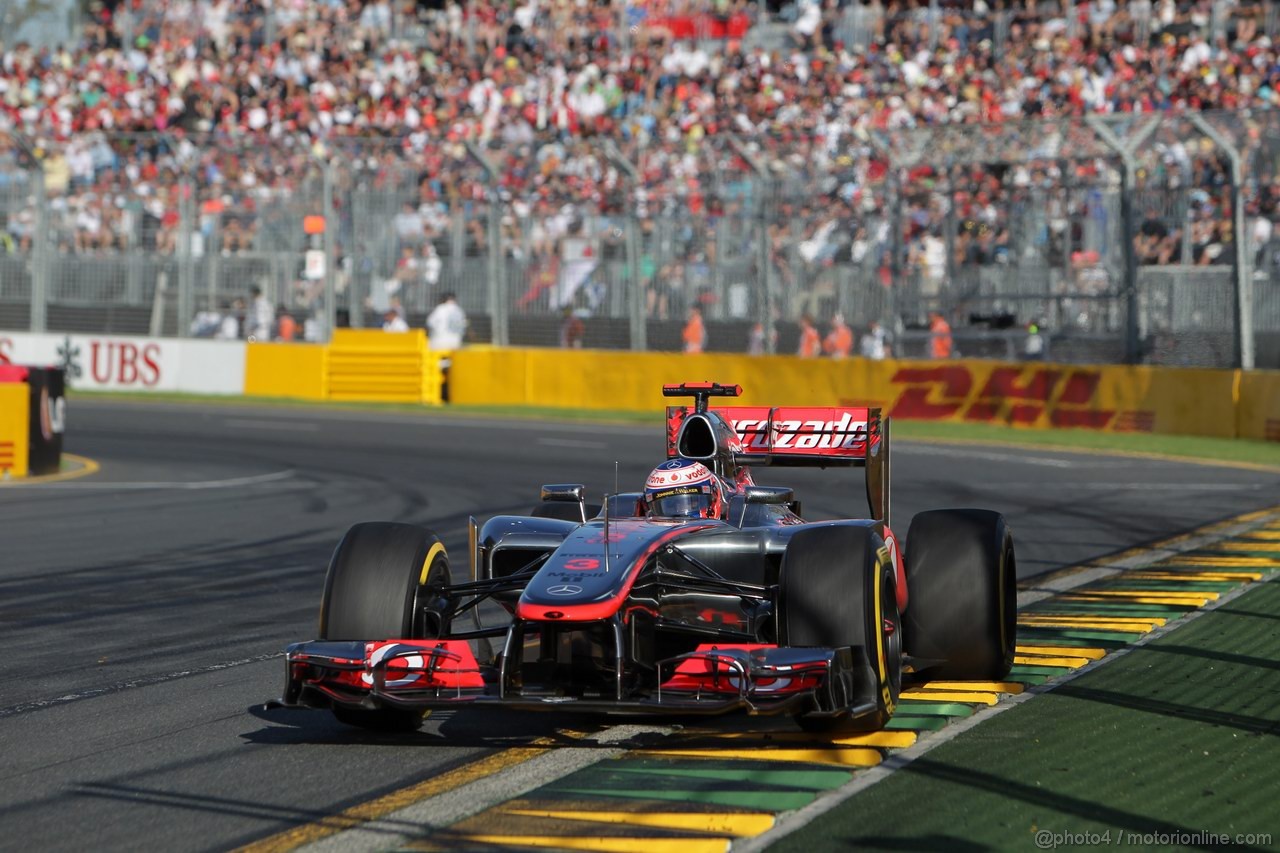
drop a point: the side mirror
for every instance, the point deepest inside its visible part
(770, 495)
(570, 493)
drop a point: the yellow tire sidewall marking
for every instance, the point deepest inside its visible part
(435, 550)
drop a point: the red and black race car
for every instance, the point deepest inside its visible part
(631, 610)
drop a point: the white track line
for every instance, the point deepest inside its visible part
(967, 452)
(1136, 487)
(579, 444)
(119, 686)
(291, 426)
(196, 485)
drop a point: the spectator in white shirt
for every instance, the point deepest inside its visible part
(393, 322)
(446, 324)
(262, 317)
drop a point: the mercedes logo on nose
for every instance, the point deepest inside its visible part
(564, 589)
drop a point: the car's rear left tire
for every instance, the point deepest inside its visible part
(836, 589)
(378, 577)
(961, 620)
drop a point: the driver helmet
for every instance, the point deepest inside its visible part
(683, 488)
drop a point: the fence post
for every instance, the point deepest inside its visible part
(186, 265)
(635, 290)
(497, 296)
(764, 265)
(1128, 168)
(359, 288)
(40, 256)
(1244, 357)
(213, 262)
(330, 253)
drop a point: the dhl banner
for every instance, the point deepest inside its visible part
(1113, 398)
(1034, 395)
(1258, 412)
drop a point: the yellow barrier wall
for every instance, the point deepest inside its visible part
(15, 403)
(360, 364)
(633, 381)
(1123, 399)
(377, 366)
(1258, 414)
(285, 370)
(1185, 401)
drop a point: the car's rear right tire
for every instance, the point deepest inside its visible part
(962, 614)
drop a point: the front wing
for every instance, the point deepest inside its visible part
(712, 679)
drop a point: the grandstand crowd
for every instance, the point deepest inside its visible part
(668, 111)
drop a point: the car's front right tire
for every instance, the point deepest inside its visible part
(378, 577)
(836, 589)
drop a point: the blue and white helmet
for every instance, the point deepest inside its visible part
(683, 488)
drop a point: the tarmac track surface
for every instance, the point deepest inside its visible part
(143, 610)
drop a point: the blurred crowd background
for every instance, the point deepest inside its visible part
(1103, 171)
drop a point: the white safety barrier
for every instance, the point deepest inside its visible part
(121, 363)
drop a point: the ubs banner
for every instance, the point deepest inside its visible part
(48, 417)
(116, 363)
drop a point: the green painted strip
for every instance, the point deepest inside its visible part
(1048, 671)
(913, 707)
(773, 801)
(1103, 609)
(1070, 641)
(1030, 636)
(1028, 678)
(1161, 586)
(1264, 548)
(811, 780)
(1219, 584)
(916, 724)
(1265, 554)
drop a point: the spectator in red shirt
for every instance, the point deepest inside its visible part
(695, 333)
(939, 336)
(810, 340)
(839, 341)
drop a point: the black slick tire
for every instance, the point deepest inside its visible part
(835, 590)
(962, 612)
(378, 575)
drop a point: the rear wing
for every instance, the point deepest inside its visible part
(792, 436)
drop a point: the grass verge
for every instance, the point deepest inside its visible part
(1178, 737)
(1242, 451)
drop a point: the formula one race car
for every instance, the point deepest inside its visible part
(703, 594)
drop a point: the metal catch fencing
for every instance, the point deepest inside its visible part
(1139, 238)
